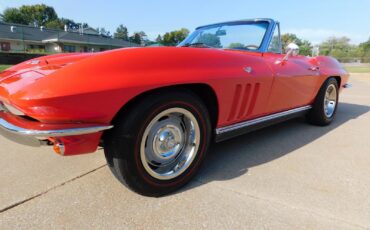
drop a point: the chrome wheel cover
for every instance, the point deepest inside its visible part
(170, 143)
(330, 100)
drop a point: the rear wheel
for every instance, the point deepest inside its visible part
(325, 105)
(158, 146)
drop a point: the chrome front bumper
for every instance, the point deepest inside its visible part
(32, 137)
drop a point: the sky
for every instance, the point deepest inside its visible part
(314, 20)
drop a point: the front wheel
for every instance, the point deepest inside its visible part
(325, 105)
(158, 145)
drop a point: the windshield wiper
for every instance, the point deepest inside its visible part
(196, 44)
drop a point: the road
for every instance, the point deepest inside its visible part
(289, 176)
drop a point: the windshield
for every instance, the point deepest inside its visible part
(244, 36)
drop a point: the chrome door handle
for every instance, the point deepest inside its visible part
(314, 68)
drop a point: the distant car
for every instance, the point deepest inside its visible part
(156, 110)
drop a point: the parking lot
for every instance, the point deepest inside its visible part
(289, 176)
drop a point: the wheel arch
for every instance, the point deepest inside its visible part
(204, 91)
(338, 78)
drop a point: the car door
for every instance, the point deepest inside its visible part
(246, 91)
(294, 82)
(295, 77)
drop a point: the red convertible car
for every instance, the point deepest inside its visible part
(156, 110)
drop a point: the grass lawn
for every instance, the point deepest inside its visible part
(3, 67)
(358, 69)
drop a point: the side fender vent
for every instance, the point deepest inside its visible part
(244, 101)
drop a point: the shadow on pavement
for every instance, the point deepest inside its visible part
(233, 158)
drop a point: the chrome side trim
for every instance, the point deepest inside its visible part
(260, 120)
(49, 133)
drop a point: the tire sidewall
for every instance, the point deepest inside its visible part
(127, 159)
(316, 115)
(330, 81)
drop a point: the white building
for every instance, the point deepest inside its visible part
(20, 38)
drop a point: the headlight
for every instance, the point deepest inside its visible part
(12, 110)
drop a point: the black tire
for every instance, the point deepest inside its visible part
(122, 144)
(318, 115)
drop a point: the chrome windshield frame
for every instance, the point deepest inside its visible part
(266, 38)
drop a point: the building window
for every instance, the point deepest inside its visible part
(69, 49)
(5, 46)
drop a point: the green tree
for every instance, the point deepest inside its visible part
(275, 44)
(366, 45)
(236, 45)
(61, 22)
(174, 37)
(159, 39)
(13, 15)
(143, 38)
(305, 47)
(38, 14)
(210, 40)
(136, 38)
(142, 34)
(104, 32)
(140, 38)
(364, 49)
(339, 48)
(121, 33)
(55, 24)
(334, 45)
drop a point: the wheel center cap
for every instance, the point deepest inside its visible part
(168, 141)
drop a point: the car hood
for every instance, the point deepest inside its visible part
(26, 73)
(44, 65)
(57, 71)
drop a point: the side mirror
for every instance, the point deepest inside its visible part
(291, 50)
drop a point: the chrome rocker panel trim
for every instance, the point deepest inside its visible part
(241, 128)
(33, 137)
